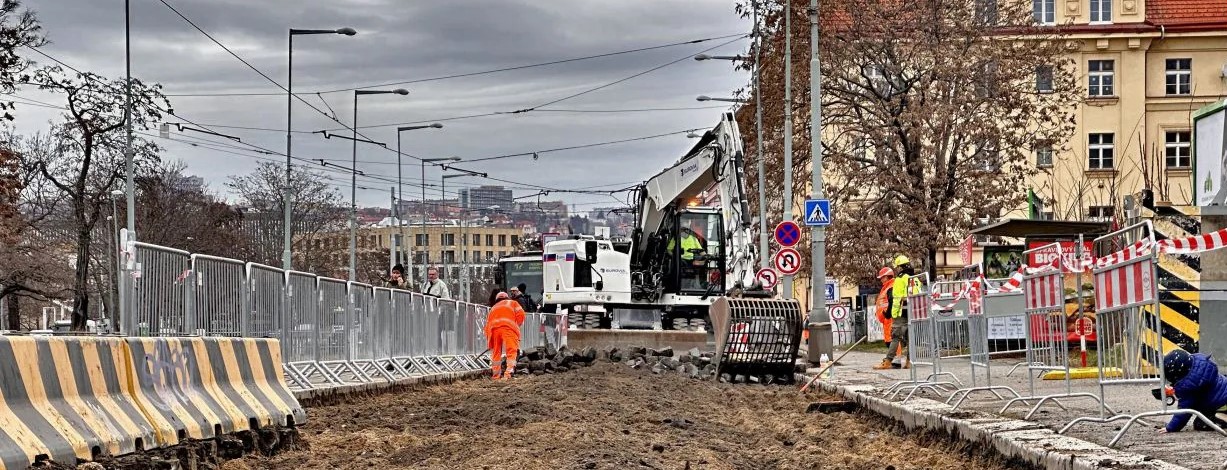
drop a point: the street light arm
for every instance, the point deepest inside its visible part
(398, 91)
(341, 31)
(414, 128)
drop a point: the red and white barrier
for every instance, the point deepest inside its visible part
(1127, 284)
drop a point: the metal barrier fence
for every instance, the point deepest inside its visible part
(1047, 338)
(922, 343)
(981, 307)
(331, 331)
(543, 329)
(1128, 323)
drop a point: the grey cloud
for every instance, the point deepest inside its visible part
(406, 41)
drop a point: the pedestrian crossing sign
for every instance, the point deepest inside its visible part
(818, 212)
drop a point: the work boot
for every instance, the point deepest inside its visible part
(886, 364)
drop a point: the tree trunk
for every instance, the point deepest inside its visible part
(931, 267)
(80, 301)
(14, 312)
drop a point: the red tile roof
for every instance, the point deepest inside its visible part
(1183, 15)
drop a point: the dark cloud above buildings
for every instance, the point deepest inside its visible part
(404, 41)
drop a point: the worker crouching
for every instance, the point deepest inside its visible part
(503, 334)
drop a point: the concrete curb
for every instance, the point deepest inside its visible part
(1025, 440)
(330, 395)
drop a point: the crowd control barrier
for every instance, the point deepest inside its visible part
(1129, 346)
(1047, 338)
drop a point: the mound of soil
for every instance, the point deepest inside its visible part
(609, 416)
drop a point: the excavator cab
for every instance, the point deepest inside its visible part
(695, 253)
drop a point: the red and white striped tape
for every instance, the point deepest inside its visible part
(1194, 244)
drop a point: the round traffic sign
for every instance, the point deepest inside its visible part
(768, 277)
(787, 261)
(1084, 326)
(787, 233)
(837, 312)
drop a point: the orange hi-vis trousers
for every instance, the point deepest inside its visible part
(503, 342)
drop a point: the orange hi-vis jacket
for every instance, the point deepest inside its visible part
(506, 316)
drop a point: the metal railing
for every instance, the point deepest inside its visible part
(332, 332)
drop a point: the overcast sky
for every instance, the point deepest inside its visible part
(400, 41)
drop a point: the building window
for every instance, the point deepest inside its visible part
(449, 239)
(1043, 157)
(1043, 79)
(1176, 149)
(1101, 11)
(1101, 151)
(476, 239)
(1179, 76)
(502, 240)
(986, 12)
(1047, 215)
(489, 256)
(421, 239)
(449, 256)
(1100, 77)
(1100, 213)
(515, 240)
(489, 240)
(1044, 11)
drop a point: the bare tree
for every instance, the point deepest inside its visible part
(88, 154)
(931, 110)
(18, 28)
(316, 209)
(172, 212)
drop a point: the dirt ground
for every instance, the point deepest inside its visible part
(609, 416)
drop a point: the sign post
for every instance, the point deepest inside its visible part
(1083, 327)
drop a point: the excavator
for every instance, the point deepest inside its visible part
(689, 264)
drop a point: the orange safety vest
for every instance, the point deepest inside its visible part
(883, 303)
(508, 315)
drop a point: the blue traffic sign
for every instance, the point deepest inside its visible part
(787, 233)
(832, 291)
(818, 212)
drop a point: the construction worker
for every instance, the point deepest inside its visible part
(897, 298)
(690, 241)
(503, 334)
(887, 277)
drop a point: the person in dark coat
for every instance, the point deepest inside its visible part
(1198, 386)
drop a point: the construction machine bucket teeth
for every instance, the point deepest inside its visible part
(756, 339)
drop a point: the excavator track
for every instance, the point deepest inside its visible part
(756, 339)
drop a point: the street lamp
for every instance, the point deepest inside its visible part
(400, 191)
(730, 100)
(289, 110)
(353, 184)
(426, 236)
(702, 57)
(758, 128)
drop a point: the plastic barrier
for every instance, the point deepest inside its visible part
(66, 399)
(205, 387)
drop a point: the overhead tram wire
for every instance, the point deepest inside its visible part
(358, 133)
(471, 74)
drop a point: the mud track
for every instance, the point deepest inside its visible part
(608, 416)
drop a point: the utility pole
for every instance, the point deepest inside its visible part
(820, 338)
(758, 127)
(787, 192)
(394, 236)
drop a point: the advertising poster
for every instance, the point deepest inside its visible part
(1210, 155)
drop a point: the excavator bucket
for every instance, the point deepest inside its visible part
(756, 339)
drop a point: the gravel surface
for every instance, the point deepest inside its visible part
(609, 416)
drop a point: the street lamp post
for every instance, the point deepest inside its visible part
(758, 128)
(426, 236)
(787, 192)
(817, 314)
(287, 230)
(465, 281)
(353, 188)
(400, 190)
(115, 242)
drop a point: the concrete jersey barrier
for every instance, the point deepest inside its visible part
(205, 387)
(67, 399)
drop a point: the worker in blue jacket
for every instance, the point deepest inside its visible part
(1198, 386)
